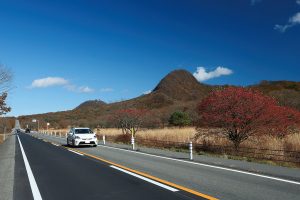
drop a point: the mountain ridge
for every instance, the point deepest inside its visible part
(178, 90)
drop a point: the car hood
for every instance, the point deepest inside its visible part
(85, 136)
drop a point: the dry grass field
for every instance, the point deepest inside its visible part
(291, 142)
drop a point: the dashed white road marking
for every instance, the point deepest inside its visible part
(76, 152)
(145, 179)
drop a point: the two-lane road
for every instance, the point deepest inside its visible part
(61, 174)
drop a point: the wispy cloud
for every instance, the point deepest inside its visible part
(202, 74)
(253, 2)
(48, 82)
(298, 2)
(147, 92)
(106, 90)
(293, 21)
(59, 81)
(85, 89)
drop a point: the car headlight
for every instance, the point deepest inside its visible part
(77, 137)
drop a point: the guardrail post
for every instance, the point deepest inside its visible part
(191, 150)
(132, 142)
(4, 137)
(103, 138)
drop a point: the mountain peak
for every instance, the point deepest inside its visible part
(91, 104)
(181, 85)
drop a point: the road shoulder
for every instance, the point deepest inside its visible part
(7, 163)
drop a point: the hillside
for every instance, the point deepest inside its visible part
(178, 90)
(286, 92)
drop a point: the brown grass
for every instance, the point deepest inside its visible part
(264, 148)
(291, 142)
(1, 138)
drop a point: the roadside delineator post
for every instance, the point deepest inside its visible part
(103, 138)
(4, 137)
(132, 142)
(191, 150)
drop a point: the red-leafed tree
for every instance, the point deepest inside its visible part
(241, 113)
(129, 120)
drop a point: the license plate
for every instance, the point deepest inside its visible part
(87, 142)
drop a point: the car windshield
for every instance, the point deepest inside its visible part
(83, 131)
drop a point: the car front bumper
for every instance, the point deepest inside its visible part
(86, 142)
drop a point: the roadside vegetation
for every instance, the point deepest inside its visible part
(261, 120)
(6, 124)
(233, 121)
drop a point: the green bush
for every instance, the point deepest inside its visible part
(180, 119)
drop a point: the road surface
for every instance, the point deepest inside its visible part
(62, 174)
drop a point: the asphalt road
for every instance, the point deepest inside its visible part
(213, 181)
(58, 173)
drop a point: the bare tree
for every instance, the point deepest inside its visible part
(5, 79)
(5, 86)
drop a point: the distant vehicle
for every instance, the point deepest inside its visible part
(27, 130)
(81, 136)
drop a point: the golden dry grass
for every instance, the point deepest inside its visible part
(291, 142)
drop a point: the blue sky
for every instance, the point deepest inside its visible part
(65, 52)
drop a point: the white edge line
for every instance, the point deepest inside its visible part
(146, 179)
(76, 152)
(34, 188)
(207, 165)
(211, 166)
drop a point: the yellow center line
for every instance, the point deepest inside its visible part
(146, 175)
(149, 176)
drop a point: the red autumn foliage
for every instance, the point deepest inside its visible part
(242, 113)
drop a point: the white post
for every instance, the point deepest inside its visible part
(132, 142)
(191, 150)
(4, 137)
(103, 138)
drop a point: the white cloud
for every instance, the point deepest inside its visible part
(293, 21)
(85, 89)
(298, 2)
(106, 90)
(202, 75)
(48, 82)
(147, 92)
(253, 2)
(58, 81)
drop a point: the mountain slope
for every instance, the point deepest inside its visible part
(178, 90)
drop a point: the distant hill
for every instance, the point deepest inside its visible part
(286, 92)
(178, 90)
(91, 104)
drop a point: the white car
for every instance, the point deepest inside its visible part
(81, 136)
